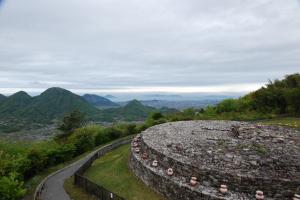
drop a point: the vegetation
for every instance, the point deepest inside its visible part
(292, 122)
(21, 161)
(11, 187)
(112, 172)
(277, 98)
(71, 121)
(75, 192)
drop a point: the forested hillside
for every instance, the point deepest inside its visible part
(20, 110)
(277, 98)
(132, 111)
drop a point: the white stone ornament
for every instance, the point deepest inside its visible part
(154, 163)
(135, 144)
(170, 172)
(137, 150)
(223, 189)
(193, 181)
(259, 195)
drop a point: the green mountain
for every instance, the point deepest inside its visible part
(20, 110)
(54, 103)
(99, 101)
(12, 104)
(132, 111)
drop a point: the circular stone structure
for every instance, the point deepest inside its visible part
(245, 157)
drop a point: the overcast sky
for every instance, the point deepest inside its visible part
(147, 46)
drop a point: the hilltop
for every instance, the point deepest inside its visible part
(54, 103)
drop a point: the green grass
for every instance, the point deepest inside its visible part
(112, 172)
(75, 192)
(291, 122)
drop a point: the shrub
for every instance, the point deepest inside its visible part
(37, 161)
(228, 105)
(82, 140)
(61, 154)
(156, 116)
(102, 137)
(11, 188)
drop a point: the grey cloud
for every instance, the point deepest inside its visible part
(115, 43)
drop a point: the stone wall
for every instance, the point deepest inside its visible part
(277, 188)
(176, 188)
(251, 176)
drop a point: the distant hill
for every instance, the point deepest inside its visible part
(54, 103)
(21, 110)
(180, 104)
(109, 96)
(12, 104)
(99, 101)
(133, 111)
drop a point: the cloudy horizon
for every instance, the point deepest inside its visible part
(164, 46)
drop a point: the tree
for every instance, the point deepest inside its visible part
(156, 116)
(71, 121)
(38, 161)
(82, 140)
(11, 188)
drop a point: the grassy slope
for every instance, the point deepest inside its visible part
(113, 173)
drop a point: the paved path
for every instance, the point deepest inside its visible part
(54, 185)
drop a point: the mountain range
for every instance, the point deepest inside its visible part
(99, 101)
(20, 110)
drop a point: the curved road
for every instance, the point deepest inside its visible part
(54, 185)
